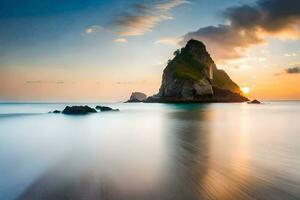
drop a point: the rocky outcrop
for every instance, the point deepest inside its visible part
(192, 76)
(82, 110)
(78, 110)
(137, 97)
(105, 108)
(254, 102)
(56, 111)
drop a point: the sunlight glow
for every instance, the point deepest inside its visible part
(245, 90)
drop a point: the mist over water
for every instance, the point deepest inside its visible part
(151, 151)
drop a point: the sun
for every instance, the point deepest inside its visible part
(245, 90)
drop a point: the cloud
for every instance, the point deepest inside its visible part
(172, 41)
(131, 82)
(124, 83)
(92, 29)
(271, 16)
(143, 17)
(290, 54)
(35, 82)
(121, 40)
(248, 26)
(289, 70)
(44, 82)
(292, 70)
(223, 41)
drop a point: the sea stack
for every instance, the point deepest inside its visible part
(137, 97)
(192, 76)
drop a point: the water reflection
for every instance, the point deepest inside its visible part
(208, 151)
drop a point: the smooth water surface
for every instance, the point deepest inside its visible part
(151, 151)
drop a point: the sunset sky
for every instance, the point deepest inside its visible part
(102, 50)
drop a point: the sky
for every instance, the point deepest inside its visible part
(102, 50)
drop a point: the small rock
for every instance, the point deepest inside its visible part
(254, 102)
(56, 111)
(105, 108)
(137, 97)
(78, 110)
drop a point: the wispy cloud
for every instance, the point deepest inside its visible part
(143, 17)
(121, 40)
(36, 82)
(131, 82)
(250, 25)
(172, 41)
(290, 54)
(92, 29)
(44, 82)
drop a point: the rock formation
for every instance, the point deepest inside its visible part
(137, 97)
(82, 110)
(78, 110)
(255, 101)
(56, 111)
(105, 108)
(192, 76)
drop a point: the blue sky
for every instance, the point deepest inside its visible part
(92, 43)
(37, 23)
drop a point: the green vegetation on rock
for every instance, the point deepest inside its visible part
(185, 66)
(190, 63)
(222, 80)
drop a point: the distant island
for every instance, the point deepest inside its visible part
(192, 76)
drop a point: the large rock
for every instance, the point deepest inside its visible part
(137, 97)
(78, 110)
(192, 76)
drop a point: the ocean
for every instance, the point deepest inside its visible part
(151, 151)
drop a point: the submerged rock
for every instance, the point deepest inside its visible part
(192, 76)
(137, 97)
(255, 101)
(78, 110)
(56, 111)
(105, 108)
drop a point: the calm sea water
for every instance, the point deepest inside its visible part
(151, 151)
